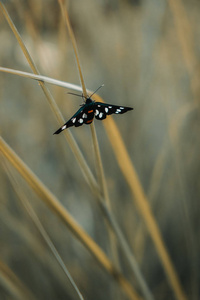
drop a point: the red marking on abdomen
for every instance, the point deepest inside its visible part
(89, 121)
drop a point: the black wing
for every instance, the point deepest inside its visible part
(104, 109)
(84, 115)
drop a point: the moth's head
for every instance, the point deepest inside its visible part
(88, 100)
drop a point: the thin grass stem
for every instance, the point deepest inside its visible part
(13, 284)
(186, 40)
(99, 165)
(82, 163)
(45, 195)
(139, 196)
(43, 79)
(105, 195)
(73, 40)
(75, 149)
(103, 188)
(40, 228)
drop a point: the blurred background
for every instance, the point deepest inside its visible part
(147, 55)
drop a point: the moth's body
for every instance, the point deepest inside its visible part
(91, 109)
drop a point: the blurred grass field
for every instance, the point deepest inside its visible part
(147, 55)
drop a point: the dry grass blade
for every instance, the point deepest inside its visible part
(15, 287)
(66, 18)
(95, 190)
(99, 165)
(107, 214)
(103, 188)
(75, 149)
(41, 229)
(100, 171)
(45, 195)
(184, 33)
(94, 137)
(143, 206)
(43, 79)
(160, 137)
(113, 224)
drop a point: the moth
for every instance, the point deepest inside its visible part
(90, 110)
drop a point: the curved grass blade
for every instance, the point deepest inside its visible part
(42, 79)
(102, 182)
(45, 195)
(75, 149)
(139, 196)
(12, 283)
(41, 229)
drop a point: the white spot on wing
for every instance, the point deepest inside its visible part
(99, 105)
(106, 109)
(100, 115)
(96, 112)
(118, 110)
(80, 121)
(84, 116)
(109, 106)
(121, 107)
(64, 126)
(73, 120)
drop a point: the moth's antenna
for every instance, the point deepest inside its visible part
(96, 90)
(75, 94)
(82, 94)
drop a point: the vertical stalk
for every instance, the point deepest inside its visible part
(100, 171)
(73, 40)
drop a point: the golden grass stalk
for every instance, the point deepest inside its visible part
(12, 283)
(103, 187)
(139, 196)
(105, 195)
(43, 79)
(111, 221)
(41, 229)
(83, 164)
(75, 149)
(84, 167)
(100, 173)
(186, 40)
(73, 40)
(117, 231)
(45, 195)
